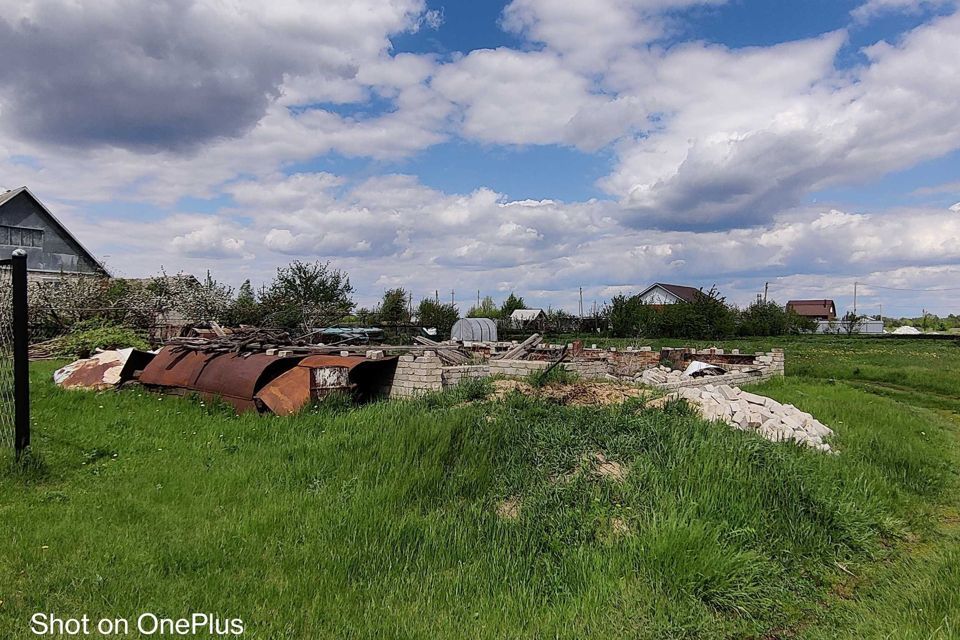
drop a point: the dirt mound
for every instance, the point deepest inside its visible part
(575, 394)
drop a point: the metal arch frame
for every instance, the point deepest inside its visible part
(21, 353)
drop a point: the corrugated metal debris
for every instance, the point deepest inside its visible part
(104, 370)
(316, 377)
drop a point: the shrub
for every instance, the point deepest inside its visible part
(707, 317)
(81, 344)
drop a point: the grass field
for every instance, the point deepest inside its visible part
(387, 521)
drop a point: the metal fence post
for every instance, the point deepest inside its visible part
(21, 353)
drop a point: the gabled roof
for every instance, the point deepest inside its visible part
(526, 314)
(13, 193)
(813, 307)
(685, 293)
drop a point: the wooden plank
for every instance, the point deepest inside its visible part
(453, 356)
(521, 348)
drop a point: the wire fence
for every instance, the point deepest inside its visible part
(14, 372)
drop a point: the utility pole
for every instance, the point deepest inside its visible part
(581, 303)
(436, 296)
(478, 298)
(452, 302)
(766, 285)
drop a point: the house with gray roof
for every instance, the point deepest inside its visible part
(52, 250)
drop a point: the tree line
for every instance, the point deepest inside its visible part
(303, 296)
(707, 316)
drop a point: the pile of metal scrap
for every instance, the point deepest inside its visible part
(316, 377)
(104, 370)
(281, 382)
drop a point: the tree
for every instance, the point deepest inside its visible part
(366, 317)
(762, 319)
(487, 309)
(393, 308)
(511, 304)
(706, 317)
(624, 313)
(559, 321)
(245, 308)
(797, 324)
(440, 316)
(850, 323)
(305, 295)
(202, 301)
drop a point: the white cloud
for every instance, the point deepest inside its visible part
(589, 34)
(174, 75)
(393, 231)
(516, 97)
(873, 8)
(745, 134)
(211, 238)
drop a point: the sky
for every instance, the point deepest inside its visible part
(535, 146)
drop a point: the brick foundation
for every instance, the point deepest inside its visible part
(426, 373)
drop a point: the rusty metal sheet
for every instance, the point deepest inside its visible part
(236, 379)
(103, 370)
(287, 393)
(175, 368)
(318, 375)
(229, 376)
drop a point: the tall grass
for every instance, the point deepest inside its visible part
(381, 521)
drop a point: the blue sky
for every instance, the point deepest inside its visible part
(531, 145)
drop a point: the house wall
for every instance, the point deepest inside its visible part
(58, 253)
(658, 295)
(864, 327)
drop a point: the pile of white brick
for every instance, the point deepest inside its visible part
(416, 375)
(766, 366)
(765, 416)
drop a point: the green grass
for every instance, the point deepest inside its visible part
(381, 521)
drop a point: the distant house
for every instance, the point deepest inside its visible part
(814, 309)
(527, 318)
(660, 293)
(25, 223)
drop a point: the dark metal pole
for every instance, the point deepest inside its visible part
(21, 363)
